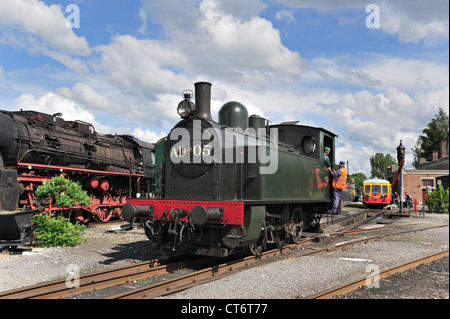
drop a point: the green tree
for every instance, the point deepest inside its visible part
(380, 164)
(358, 178)
(64, 192)
(436, 131)
(438, 200)
(54, 231)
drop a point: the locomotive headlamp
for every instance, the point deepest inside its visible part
(186, 107)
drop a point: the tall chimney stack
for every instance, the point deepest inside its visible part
(443, 148)
(203, 100)
(434, 155)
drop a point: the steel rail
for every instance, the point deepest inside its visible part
(94, 281)
(223, 270)
(126, 274)
(358, 283)
(105, 279)
(198, 277)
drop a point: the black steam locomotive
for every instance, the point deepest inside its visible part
(35, 146)
(234, 183)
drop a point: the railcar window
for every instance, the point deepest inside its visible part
(367, 189)
(376, 188)
(385, 189)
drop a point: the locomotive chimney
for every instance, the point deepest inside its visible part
(203, 100)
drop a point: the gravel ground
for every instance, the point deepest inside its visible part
(291, 278)
(104, 249)
(296, 278)
(425, 281)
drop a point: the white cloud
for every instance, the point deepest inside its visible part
(143, 17)
(376, 72)
(54, 103)
(371, 101)
(285, 15)
(242, 9)
(407, 74)
(228, 46)
(157, 111)
(39, 28)
(142, 65)
(147, 135)
(47, 23)
(412, 20)
(89, 98)
(379, 121)
(249, 45)
(415, 20)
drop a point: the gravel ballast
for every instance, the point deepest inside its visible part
(295, 278)
(105, 249)
(291, 278)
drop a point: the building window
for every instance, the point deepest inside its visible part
(427, 182)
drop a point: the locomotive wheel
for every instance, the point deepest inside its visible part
(280, 235)
(296, 226)
(120, 200)
(280, 238)
(118, 212)
(81, 215)
(103, 214)
(257, 248)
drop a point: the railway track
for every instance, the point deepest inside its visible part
(154, 268)
(196, 278)
(355, 284)
(98, 280)
(227, 269)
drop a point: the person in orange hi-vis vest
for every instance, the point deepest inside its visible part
(339, 183)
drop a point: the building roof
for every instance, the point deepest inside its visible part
(439, 164)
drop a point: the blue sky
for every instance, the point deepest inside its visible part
(126, 65)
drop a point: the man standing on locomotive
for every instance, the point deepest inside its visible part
(339, 184)
(327, 158)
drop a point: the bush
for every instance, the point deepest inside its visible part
(65, 193)
(438, 200)
(53, 231)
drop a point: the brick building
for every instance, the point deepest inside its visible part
(430, 174)
(416, 181)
